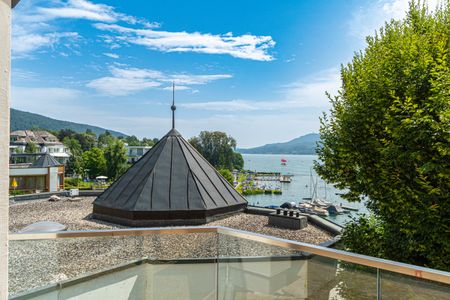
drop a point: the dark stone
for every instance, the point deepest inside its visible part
(289, 222)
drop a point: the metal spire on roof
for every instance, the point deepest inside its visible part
(173, 107)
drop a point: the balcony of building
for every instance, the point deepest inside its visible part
(204, 263)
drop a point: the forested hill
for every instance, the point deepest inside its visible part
(302, 145)
(21, 120)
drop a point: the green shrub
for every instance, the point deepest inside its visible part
(227, 175)
(364, 235)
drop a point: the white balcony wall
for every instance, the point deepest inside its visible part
(5, 67)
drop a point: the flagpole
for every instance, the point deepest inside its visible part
(173, 107)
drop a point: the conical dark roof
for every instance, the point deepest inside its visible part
(171, 184)
(46, 161)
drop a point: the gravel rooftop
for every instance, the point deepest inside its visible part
(77, 216)
(41, 262)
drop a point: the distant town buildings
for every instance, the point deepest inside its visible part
(45, 175)
(44, 141)
(134, 153)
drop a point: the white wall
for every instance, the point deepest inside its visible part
(28, 171)
(5, 65)
(53, 180)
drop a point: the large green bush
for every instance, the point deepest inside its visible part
(387, 139)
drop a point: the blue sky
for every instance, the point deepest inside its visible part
(257, 70)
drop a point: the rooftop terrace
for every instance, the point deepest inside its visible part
(204, 263)
(244, 260)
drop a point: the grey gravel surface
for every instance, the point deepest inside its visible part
(38, 263)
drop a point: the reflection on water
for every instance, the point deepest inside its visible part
(301, 166)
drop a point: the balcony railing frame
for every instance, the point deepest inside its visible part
(364, 260)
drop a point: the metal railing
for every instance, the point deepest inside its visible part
(364, 260)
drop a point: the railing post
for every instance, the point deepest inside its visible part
(217, 263)
(379, 296)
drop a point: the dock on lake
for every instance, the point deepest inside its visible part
(263, 176)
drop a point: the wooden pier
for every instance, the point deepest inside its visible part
(263, 176)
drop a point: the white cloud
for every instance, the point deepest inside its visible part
(136, 73)
(26, 43)
(34, 27)
(112, 55)
(82, 9)
(44, 100)
(34, 23)
(309, 92)
(119, 86)
(177, 88)
(242, 128)
(48, 101)
(21, 74)
(245, 46)
(185, 79)
(125, 81)
(366, 20)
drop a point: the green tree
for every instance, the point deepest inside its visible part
(238, 161)
(105, 139)
(227, 175)
(217, 147)
(94, 162)
(63, 133)
(387, 138)
(74, 164)
(148, 142)
(31, 148)
(132, 141)
(73, 144)
(86, 140)
(116, 159)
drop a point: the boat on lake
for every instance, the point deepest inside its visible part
(320, 211)
(321, 203)
(335, 210)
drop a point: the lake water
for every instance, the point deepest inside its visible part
(300, 166)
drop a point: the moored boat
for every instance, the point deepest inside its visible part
(320, 211)
(335, 209)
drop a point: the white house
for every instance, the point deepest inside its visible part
(134, 153)
(44, 175)
(44, 140)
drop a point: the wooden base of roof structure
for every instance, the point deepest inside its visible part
(164, 218)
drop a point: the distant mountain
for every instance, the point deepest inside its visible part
(22, 120)
(302, 145)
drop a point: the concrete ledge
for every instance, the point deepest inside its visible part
(39, 196)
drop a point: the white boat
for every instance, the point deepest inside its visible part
(320, 211)
(320, 202)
